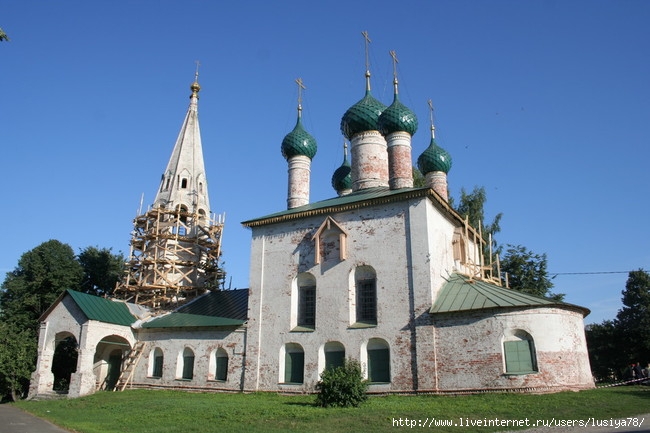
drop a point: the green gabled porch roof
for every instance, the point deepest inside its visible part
(184, 320)
(101, 309)
(460, 293)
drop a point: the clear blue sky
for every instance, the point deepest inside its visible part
(544, 103)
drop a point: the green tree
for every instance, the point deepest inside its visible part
(633, 320)
(606, 352)
(102, 270)
(527, 272)
(42, 274)
(471, 206)
(3, 36)
(17, 359)
(419, 180)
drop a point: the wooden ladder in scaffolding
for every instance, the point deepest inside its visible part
(131, 361)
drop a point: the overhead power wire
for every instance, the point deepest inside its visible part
(590, 273)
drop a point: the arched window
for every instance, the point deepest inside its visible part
(378, 354)
(156, 360)
(334, 354)
(303, 302)
(221, 372)
(187, 364)
(519, 352)
(307, 305)
(182, 215)
(366, 295)
(294, 363)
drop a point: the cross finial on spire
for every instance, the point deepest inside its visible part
(301, 87)
(433, 128)
(195, 85)
(367, 39)
(395, 62)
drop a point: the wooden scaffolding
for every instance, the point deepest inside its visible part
(174, 257)
(475, 255)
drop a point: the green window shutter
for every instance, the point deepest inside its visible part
(379, 365)
(334, 359)
(293, 367)
(222, 368)
(518, 356)
(158, 366)
(188, 367)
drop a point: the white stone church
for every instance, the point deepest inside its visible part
(383, 272)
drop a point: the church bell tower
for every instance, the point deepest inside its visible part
(176, 244)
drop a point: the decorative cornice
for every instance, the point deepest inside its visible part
(362, 203)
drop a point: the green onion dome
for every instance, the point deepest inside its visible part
(299, 142)
(342, 177)
(362, 116)
(397, 117)
(434, 158)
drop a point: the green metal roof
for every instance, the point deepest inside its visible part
(183, 320)
(231, 304)
(461, 293)
(355, 200)
(214, 309)
(102, 310)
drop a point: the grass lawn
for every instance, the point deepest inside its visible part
(148, 411)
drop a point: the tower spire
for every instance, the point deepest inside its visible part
(184, 181)
(176, 245)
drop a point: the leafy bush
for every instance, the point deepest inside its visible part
(342, 386)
